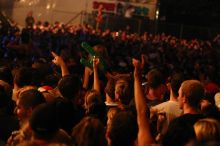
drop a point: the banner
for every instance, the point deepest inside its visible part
(119, 7)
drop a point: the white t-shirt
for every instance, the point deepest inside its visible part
(171, 109)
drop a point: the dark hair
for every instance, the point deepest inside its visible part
(209, 96)
(123, 129)
(31, 98)
(69, 86)
(155, 78)
(43, 121)
(3, 97)
(23, 76)
(43, 67)
(51, 80)
(6, 75)
(6, 103)
(211, 111)
(110, 88)
(176, 81)
(40, 70)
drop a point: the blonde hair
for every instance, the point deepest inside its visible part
(207, 130)
(111, 113)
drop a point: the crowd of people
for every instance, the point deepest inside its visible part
(133, 90)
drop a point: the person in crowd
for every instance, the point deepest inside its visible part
(208, 107)
(6, 79)
(170, 108)
(123, 89)
(123, 93)
(144, 136)
(122, 130)
(118, 91)
(181, 129)
(6, 116)
(68, 96)
(110, 93)
(27, 101)
(110, 114)
(156, 87)
(42, 72)
(104, 73)
(44, 127)
(30, 20)
(162, 51)
(89, 132)
(69, 109)
(207, 130)
(217, 100)
(22, 78)
(94, 105)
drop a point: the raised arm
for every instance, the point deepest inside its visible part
(144, 135)
(96, 84)
(87, 73)
(60, 62)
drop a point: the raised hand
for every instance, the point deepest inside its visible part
(96, 83)
(137, 67)
(57, 59)
(96, 62)
(144, 133)
(60, 62)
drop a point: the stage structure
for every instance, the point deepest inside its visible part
(74, 11)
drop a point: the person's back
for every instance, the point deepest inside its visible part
(94, 106)
(122, 130)
(68, 115)
(69, 112)
(170, 108)
(89, 132)
(123, 92)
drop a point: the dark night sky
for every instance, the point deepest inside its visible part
(195, 12)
